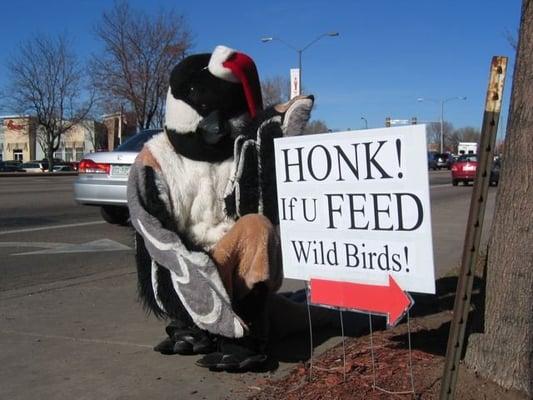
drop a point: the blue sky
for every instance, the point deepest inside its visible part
(388, 54)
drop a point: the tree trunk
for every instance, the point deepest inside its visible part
(50, 157)
(504, 352)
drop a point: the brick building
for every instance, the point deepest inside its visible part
(119, 126)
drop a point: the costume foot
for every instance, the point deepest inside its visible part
(186, 342)
(233, 356)
(193, 342)
(166, 346)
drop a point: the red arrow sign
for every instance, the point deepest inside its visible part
(390, 300)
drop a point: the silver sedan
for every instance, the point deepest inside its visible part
(103, 178)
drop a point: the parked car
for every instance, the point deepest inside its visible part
(62, 168)
(34, 166)
(495, 172)
(432, 160)
(444, 160)
(7, 166)
(103, 177)
(74, 164)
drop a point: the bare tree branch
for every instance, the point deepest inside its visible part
(47, 82)
(316, 126)
(466, 134)
(433, 133)
(512, 38)
(139, 51)
(275, 90)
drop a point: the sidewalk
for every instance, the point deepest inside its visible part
(88, 338)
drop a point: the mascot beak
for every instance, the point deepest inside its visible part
(209, 128)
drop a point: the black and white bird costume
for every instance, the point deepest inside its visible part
(202, 200)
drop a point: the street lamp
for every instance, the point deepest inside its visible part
(366, 122)
(299, 51)
(442, 102)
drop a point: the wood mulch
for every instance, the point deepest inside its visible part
(388, 376)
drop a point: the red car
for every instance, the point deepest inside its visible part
(464, 169)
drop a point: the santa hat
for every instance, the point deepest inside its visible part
(232, 66)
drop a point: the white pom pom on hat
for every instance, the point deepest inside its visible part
(233, 66)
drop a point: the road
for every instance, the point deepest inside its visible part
(40, 201)
(70, 326)
(42, 209)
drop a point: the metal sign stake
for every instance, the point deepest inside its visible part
(343, 348)
(308, 296)
(474, 227)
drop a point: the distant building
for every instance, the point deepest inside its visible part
(85, 137)
(433, 147)
(19, 139)
(119, 126)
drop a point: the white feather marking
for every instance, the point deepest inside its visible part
(238, 328)
(155, 287)
(208, 318)
(180, 116)
(216, 67)
(185, 277)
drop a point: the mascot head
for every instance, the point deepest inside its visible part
(210, 99)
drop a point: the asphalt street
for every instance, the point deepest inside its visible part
(70, 325)
(37, 210)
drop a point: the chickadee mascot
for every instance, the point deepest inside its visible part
(203, 203)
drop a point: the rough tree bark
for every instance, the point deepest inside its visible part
(504, 352)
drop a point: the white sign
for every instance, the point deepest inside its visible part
(354, 206)
(295, 82)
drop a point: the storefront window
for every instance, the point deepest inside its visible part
(58, 154)
(79, 153)
(68, 154)
(17, 155)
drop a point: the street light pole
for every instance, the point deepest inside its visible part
(300, 72)
(441, 126)
(442, 102)
(366, 122)
(299, 51)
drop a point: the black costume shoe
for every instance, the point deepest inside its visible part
(185, 340)
(166, 346)
(234, 355)
(247, 353)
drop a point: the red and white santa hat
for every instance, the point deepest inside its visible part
(232, 66)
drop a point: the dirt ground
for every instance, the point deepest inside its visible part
(389, 376)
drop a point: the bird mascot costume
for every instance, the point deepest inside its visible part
(202, 200)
